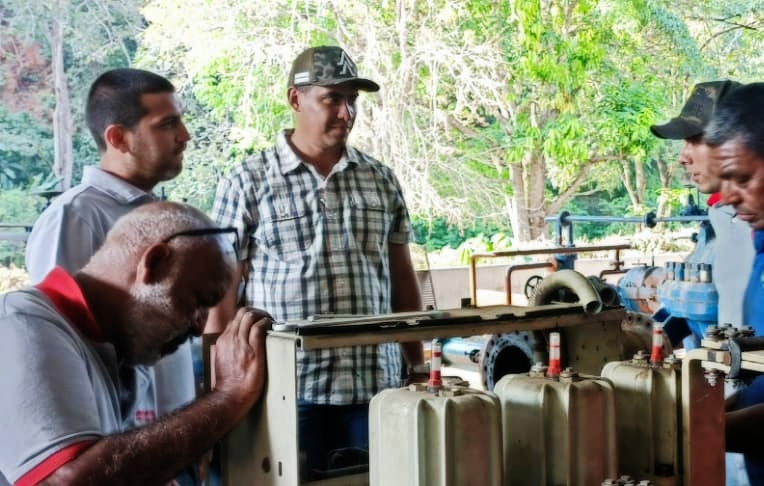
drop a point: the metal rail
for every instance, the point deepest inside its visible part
(649, 219)
(15, 235)
(523, 266)
(540, 251)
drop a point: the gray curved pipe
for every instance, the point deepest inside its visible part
(607, 292)
(573, 281)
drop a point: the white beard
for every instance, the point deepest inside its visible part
(145, 322)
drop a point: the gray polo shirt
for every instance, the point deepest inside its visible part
(74, 226)
(59, 387)
(67, 234)
(732, 263)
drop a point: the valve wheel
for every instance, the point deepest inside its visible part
(531, 284)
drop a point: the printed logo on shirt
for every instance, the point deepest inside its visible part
(144, 417)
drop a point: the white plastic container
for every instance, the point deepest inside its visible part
(420, 438)
(557, 432)
(648, 418)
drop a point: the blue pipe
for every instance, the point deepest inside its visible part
(462, 353)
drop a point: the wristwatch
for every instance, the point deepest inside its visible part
(418, 369)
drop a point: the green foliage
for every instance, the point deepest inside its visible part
(25, 148)
(209, 155)
(676, 198)
(90, 35)
(616, 204)
(17, 206)
(483, 244)
(489, 111)
(472, 92)
(437, 233)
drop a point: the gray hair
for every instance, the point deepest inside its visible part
(739, 116)
(150, 224)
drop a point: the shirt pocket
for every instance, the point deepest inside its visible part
(287, 233)
(370, 221)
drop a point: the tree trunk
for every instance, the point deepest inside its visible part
(665, 171)
(527, 209)
(629, 184)
(519, 217)
(536, 202)
(640, 182)
(511, 209)
(62, 115)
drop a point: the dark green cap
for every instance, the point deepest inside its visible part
(696, 112)
(327, 66)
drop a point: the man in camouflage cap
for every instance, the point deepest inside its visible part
(325, 230)
(327, 66)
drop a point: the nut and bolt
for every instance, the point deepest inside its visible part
(640, 357)
(712, 377)
(713, 333)
(670, 361)
(569, 375)
(745, 331)
(728, 331)
(450, 392)
(538, 370)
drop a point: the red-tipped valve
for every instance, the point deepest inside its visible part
(554, 355)
(435, 382)
(656, 355)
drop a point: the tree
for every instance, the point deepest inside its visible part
(23, 149)
(505, 110)
(79, 37)
(490, 111)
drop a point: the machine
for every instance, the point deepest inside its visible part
(665, 409)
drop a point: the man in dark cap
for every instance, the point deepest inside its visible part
(733, 256)
(327, 229)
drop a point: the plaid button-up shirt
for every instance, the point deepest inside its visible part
(319, 246)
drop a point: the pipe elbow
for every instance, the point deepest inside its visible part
(573, 281)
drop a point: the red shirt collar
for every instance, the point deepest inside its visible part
(62, 290)
(713, 199)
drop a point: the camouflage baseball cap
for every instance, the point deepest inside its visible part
(327, 66)
(696, 112)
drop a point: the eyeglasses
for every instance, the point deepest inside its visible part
(208, 232)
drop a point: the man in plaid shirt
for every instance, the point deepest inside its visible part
(324, 229)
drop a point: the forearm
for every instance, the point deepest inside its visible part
(413, 352)
(404, 287)
(405, 301)
(155, 453)
(406, 296)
